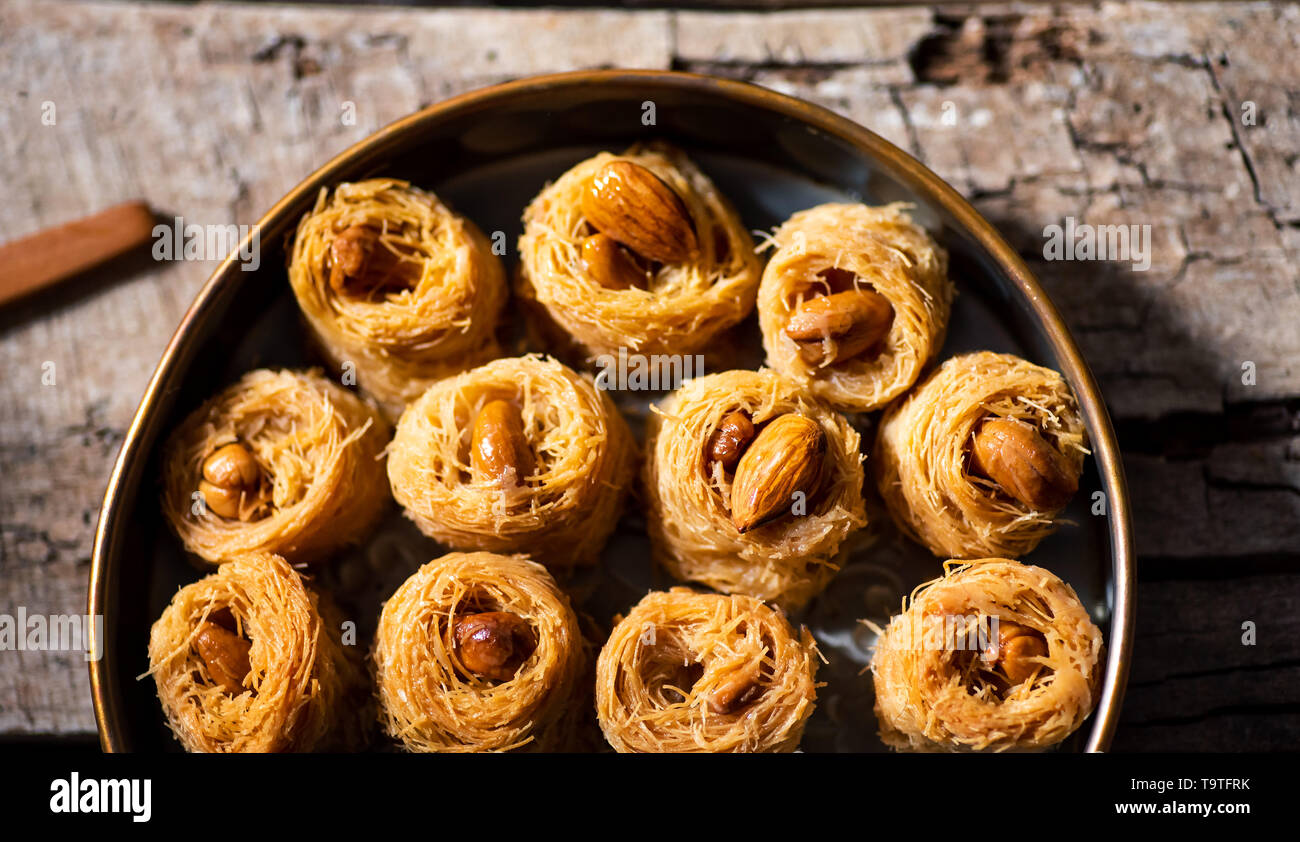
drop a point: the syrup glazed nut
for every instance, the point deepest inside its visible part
(230, 473)
(494, 644)
(635, 207)
(225, 654)
(786, 457)
(856, 320)
(1015, 651)
(233, 466)
(736, 692)
(221, 500)
(499, 452)
(729, 441)
(609, 265)
(360, 263)
(348, 252)
(1015, 455)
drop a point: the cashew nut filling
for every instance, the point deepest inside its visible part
(249, 659)
(396, 288)
(752, 486)
(980, 458)
(993, 656)
(287, 462)
(854, 303)
(695, 672)
(637, 251)
(522, 454)
(480, 652)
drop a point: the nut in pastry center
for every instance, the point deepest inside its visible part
(631, 204)
(785, 459)
(223, 651)
(362, 264)
(494, 644)
(1015, 455)
(730, 440)
(856, 321)
(231, 483)
(500, 453)
(1015, 652)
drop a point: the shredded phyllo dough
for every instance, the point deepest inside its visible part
(431, 701)
(922, 454)
(685, 304)
(304, 691)
(440, 319)
(932, 695)
(562, 512)
(787, 561)
(694, 672)
(887, 253)
(319, 450)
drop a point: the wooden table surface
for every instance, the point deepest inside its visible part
(1184, 117)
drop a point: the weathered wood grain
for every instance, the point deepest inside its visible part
(1116, 113)
(210, 112)
(1198, 680)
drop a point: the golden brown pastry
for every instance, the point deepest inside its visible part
(979, 459)
(694, 672)
(994, 656)
(281, 461)
(479, 652)
(854, 303)
(244, 662)
(637, 251)
(752, 486)
(521, 454)
(398, 290)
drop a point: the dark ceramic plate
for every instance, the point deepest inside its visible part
(487, 153)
